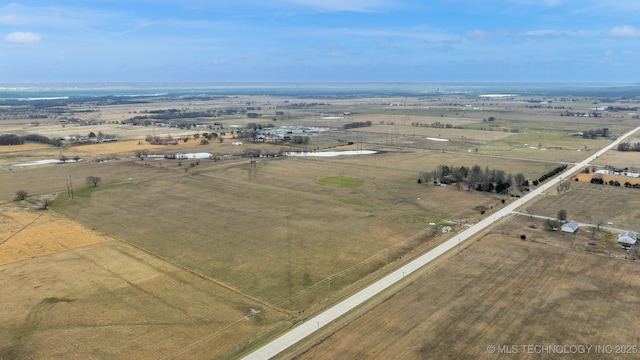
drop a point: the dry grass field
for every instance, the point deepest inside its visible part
(591, 203)
(26, 232)
(218, 218)
(501, 290)
(170, 258)
(112, 300)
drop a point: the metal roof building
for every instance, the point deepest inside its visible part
(627, 238)
(570, 227)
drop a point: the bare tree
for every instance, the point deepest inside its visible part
(552, 224)
(21, 195)
(519, 178)
(44, 203)
(93, 180)
(562, 215)
(564, 186)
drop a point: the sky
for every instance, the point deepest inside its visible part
(308, 41)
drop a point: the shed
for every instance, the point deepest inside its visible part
(627, 238)
(570, 227)
(446, 229)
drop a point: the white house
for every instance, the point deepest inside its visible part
(627, 238)
(570, 227)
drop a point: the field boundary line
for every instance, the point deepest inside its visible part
(203, 276)
(21, 229)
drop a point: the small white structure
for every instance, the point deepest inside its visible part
(446, 229)
(627, 238)
(570, 227)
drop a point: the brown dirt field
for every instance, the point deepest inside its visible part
(23, 148)
(26, 233)
(112, 300)
(499, 291)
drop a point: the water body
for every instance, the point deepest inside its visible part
(68, 92)
(332, 153)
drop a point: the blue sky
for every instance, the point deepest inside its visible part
(320, 41)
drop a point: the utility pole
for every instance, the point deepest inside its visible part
(69, 188)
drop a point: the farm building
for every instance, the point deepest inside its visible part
(627, 238)
(570, 227)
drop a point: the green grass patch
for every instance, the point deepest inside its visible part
(88, 190)
(340, 180)
(62, 202)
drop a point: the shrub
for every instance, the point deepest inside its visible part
(21, 195)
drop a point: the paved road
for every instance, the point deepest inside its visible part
(312, 325)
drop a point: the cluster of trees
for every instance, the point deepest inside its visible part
(169, 116)
(592, 134)
(551, 173)
(436, 124)
(206, 135)
(357, 124)
(621, 108)
(299, 105)
(11, 139)
(247, 134)
(600, 181)
(157, 140)
(629, 147)
(299, 139)
(489, 180)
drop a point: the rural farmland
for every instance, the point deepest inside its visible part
(211, 257)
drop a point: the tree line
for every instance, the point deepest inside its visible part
(12, 139)
(629, 147)
(475, 178)
(357, 124)
(479, 179)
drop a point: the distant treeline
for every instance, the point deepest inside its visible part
(629, 147)
(358, 124)
(11, 139)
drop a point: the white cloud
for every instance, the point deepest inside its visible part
(10, 19)
(625, 31)
(23, 38)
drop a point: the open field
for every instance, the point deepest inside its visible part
(27, 233)
(179, 258)
(217, 218)
(591, 203)
(112, 300)
(500, 291)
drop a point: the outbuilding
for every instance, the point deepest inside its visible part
(627, 238)
(570, 227)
